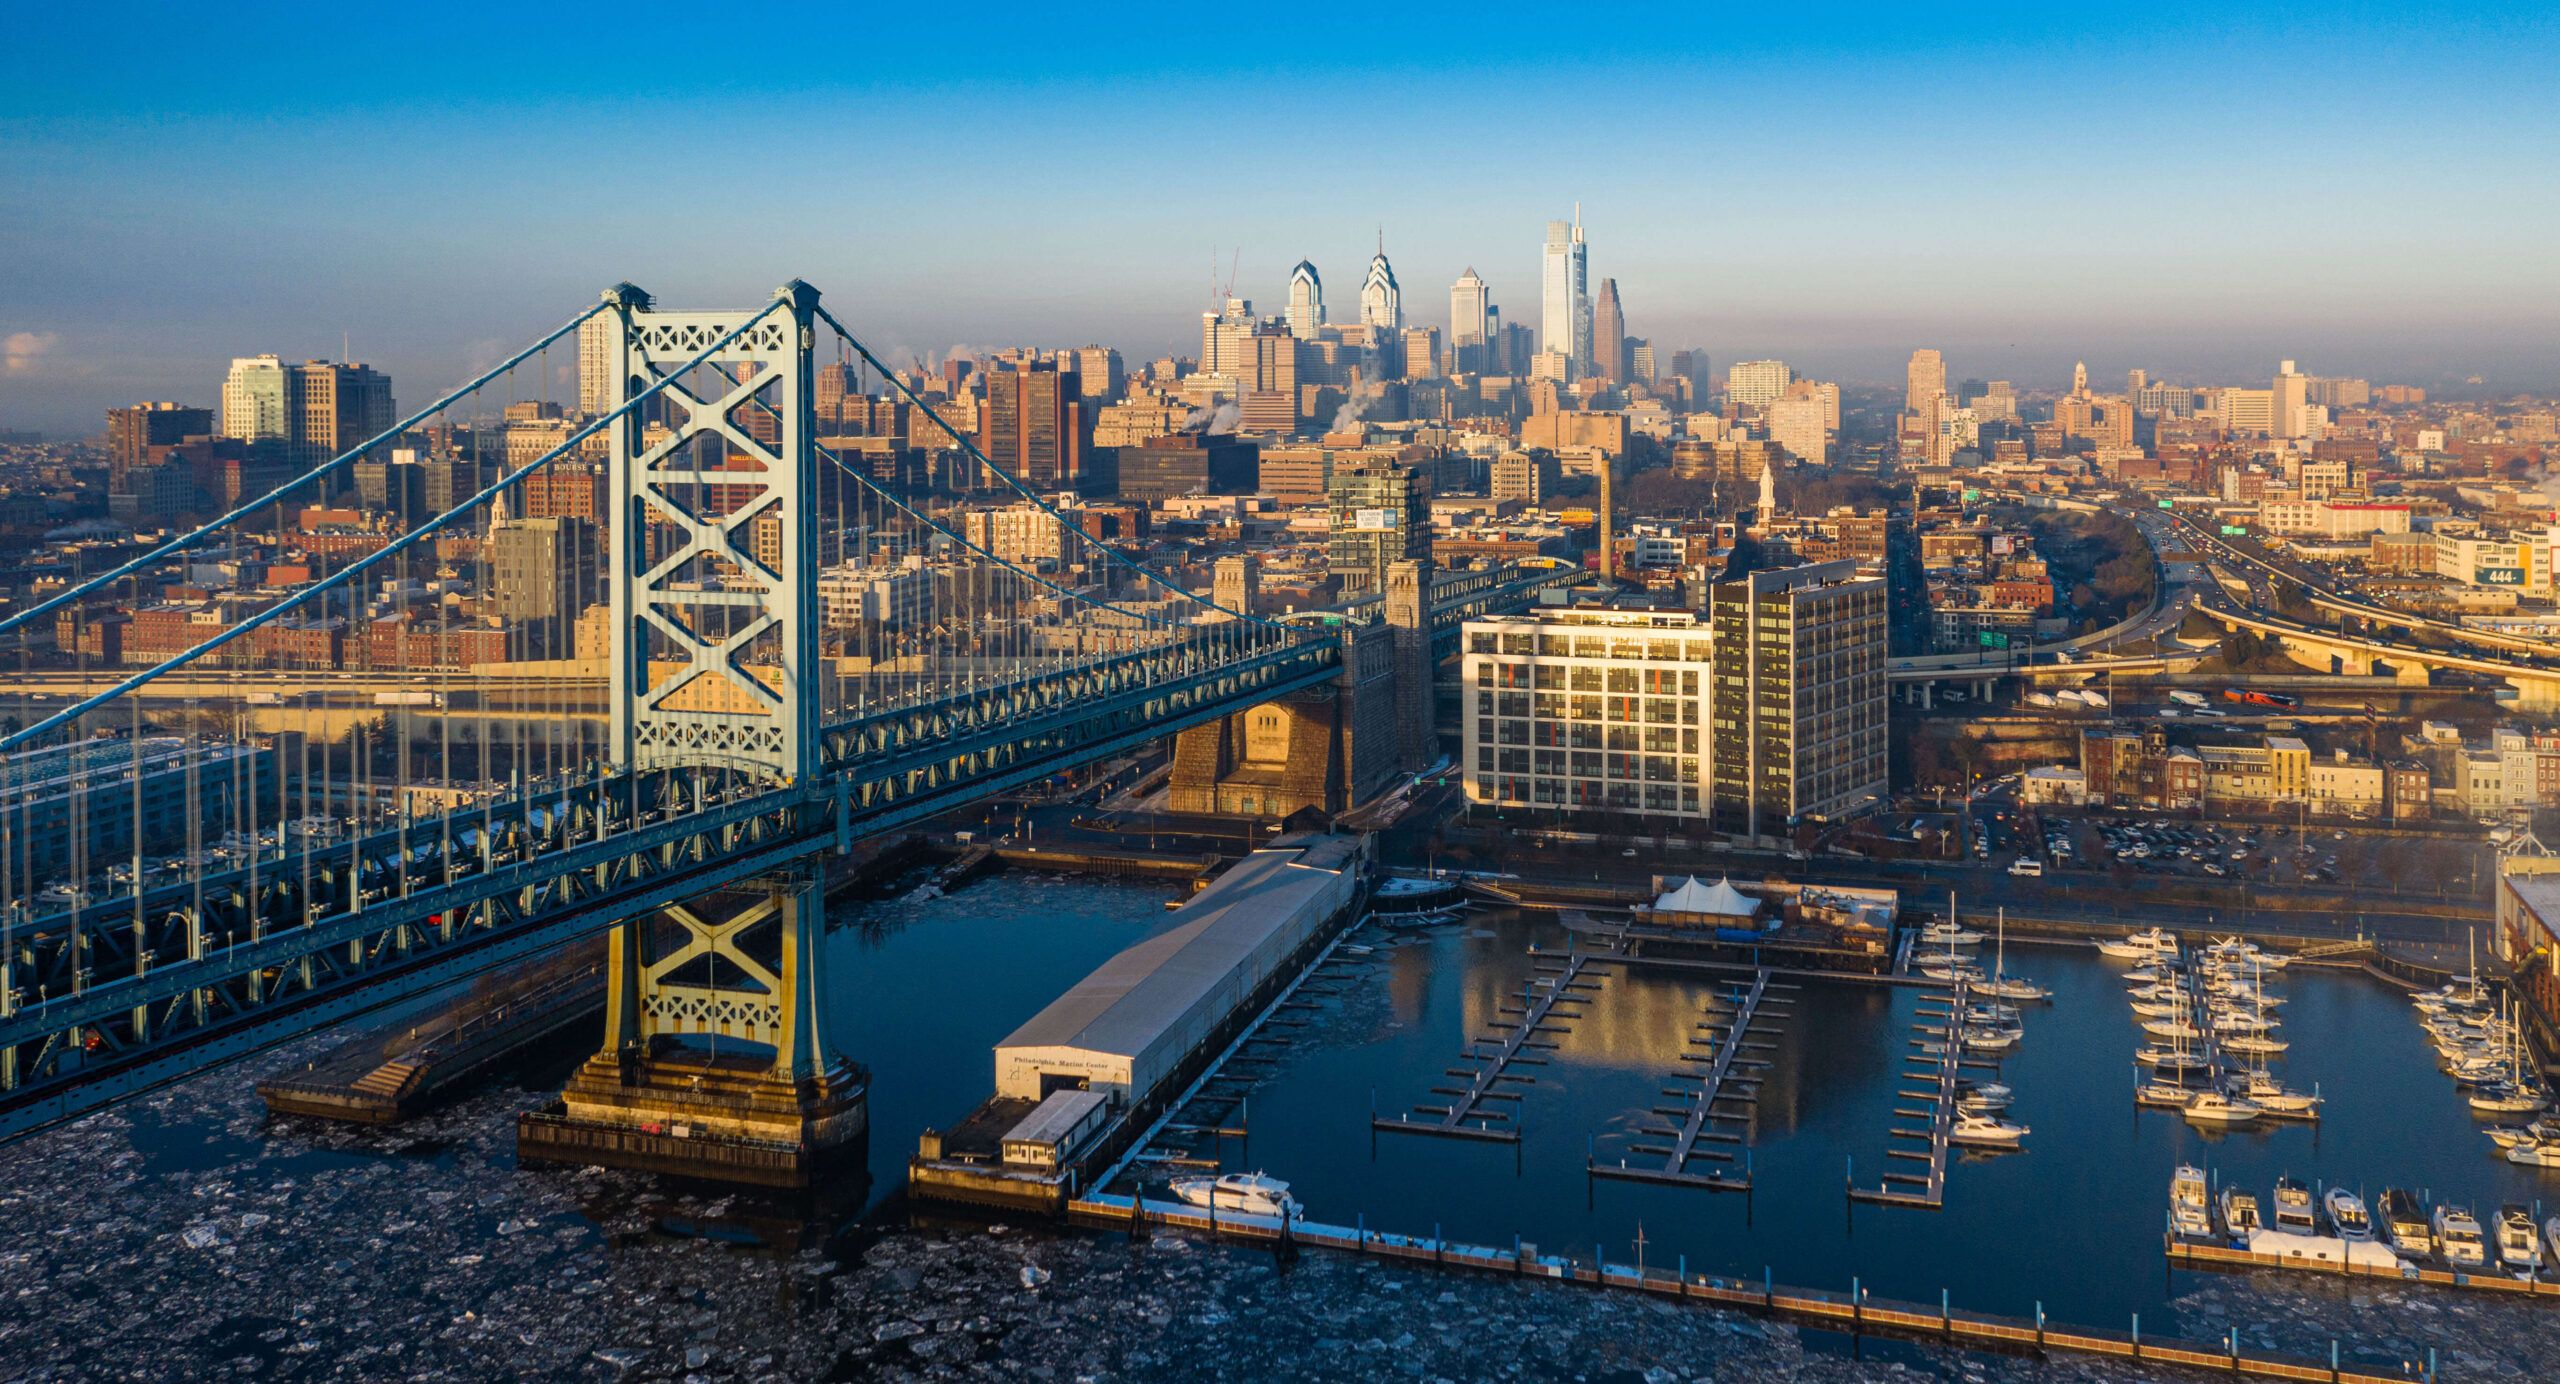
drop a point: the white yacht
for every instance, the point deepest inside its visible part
(1982, 1097)
(2404, 1220)
(2189, 1211)
(1944, 934)
(2215, 1108)
(2293, 1208)
(2169, 1059)
(2458, 1238)
(1986, 1131)
(2239, 1213)
(2518, 1250)
(2269, 1094)
(2347, 1213)
(2504, 1098)
(2256, 1044)
(1252, 1194)
(2540, 1153)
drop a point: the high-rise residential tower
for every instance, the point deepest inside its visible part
(1470, 305)
(1926, 378)
(1608, 334)
(255, 404)
(1381, 301)
(1306, 301)
(1564, 302)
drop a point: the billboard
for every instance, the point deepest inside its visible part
(2498, 576)
(1373, 519)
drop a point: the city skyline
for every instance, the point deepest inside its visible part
(1829, 200)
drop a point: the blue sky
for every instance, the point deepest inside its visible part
(2369, 189)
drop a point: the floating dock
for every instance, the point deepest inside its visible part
(1723, 1052)
(2261, 1253)
(1554, 995)
(1857, 1312)
(1941, 1070)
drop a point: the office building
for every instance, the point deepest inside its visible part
(1564, 326)
(1798, 424)
(1378, 513)
(1768, 710)
(1528, 477)
(1925, 378)
(2291, 396)
(1755, 383)
(1306, 301)
(1470, 310)
(256, 404)
(542, 572)
(1381, 301)
(1608, 335)
(1034, 424)
(133, 432)
(596, 391)
(1796, 709)
(1187, 464)
(65, 819)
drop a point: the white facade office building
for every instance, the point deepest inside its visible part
(1564, 297)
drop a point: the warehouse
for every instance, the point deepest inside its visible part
(1131, 1024)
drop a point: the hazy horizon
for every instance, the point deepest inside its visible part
(2369, 191)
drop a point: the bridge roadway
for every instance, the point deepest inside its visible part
(396, 913)
(126, 993)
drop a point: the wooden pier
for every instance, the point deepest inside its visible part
(1941, 1071)
(1555, 994)
(1724, 1055)
(2188, 1253)
(1856, 1311)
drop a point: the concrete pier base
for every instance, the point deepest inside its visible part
(724, 1119)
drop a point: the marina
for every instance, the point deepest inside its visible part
(1549, 1001)
(1732, 1031)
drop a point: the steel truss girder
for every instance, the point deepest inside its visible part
(234, 1000)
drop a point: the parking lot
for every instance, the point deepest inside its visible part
(2302, 853)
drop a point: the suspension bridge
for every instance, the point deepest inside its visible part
(795, 655)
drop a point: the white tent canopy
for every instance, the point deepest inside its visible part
(1719, 899)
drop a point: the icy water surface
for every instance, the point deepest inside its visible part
(185, 1236)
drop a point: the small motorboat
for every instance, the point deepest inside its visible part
(2508, 1136)
(2519, 1249)
(2346, 1212)
(1251, 1194)
(2293, 1208)
(2458, 1238)
(1950, 935)
(2404, 1222)
(1986, 1131)
(2215, 1108)
(2189, 1211)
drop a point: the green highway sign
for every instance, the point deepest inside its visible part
(2234, 531)
(2168, 504)
(1994, 639)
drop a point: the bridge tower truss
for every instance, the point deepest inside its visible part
(714, 545)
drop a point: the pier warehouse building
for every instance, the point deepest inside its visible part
(1080, 1080)
(1131, 1024)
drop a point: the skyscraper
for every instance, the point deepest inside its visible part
(2293, 391)
(1927, 378)
(1306, 301)
(1564, 323)
(1034, 426)
(1381, 302)
(1470, 304)
(595, 363)
(1608, 334)
(255, 406)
